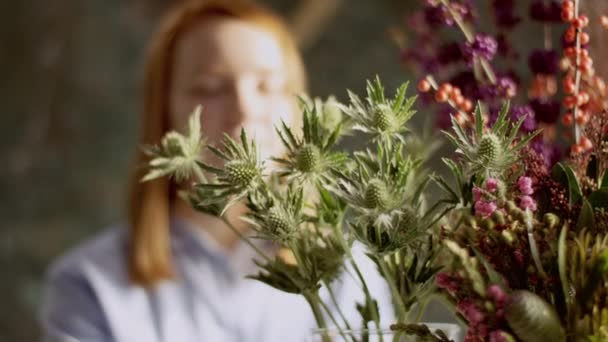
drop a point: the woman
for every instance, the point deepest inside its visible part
(172, 274)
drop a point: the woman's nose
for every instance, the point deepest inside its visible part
(247, 105)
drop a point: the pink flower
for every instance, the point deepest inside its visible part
(498, 336)
(484, 208)
(496, 293)
(477, 193)
(527, 202)
(445, 281)
(525, 185)
(470, 311)
(491, 184)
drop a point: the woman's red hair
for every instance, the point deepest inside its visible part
(149, 258)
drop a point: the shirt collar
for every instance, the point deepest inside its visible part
(194, 242)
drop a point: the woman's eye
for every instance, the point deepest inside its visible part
(211, 88)
(271, 85)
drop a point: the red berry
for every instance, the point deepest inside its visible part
(581, 118)
(586, 143)
(576, 149)
(467, 105)
(567, 119)
(446, 87)
(567, 15)
(424, 86)
(569, 101)
(584, 36)
(604, 21)
(441, 96)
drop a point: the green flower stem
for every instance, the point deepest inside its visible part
(202, 179)
(312, 297)
(533, 246)
(335, 322)
(485, 65)
(334, 301)
(400, 307)
(577, 76)
(200, 174)
(245, 239)
(368, 297)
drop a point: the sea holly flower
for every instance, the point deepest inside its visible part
(178, 155)
(279, 218)
(311, 157)
(240, 175)
(385, 119)
(491, 152)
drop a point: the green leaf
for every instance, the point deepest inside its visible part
(585, 218)
(501, 122)
(599, 198)
(592, 171)
(478, 121)
(604, 184)
(564, 174)
(400, 96)
(562, 254)
(493, 276)
(597, 274)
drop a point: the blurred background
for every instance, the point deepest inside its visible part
(70, 93)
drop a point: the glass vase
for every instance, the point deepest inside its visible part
(452, 331)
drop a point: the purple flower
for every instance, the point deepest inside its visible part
(529, 123)
(505, 48)
(477, 193)
(491, 184)
(524, 184)
(545, 111)
(437, 15)
(527, 202)
(484, 208)
(444, 116)
(467, 83)
(482, 46)
(499, 336)
(497, 294)
(446, 281)
(554, 12)
(551, 153)
(504, 13)
(470, 311)
(539, 11)
(449, 53)
(543, 61)
(506, 87)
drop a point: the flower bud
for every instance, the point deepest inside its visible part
(241, 173)
(490, 149)
(307, 158)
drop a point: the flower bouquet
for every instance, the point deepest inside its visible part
(527, 232)
(315, 201)
(518, 242)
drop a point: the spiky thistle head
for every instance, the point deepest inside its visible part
(385, 119)
(276, 215)
(310, 157)
(489, 152)
(241, 173)
(376, 194)
(178, 154)
(490, 149)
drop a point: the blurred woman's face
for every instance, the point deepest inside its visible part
(237, 72)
